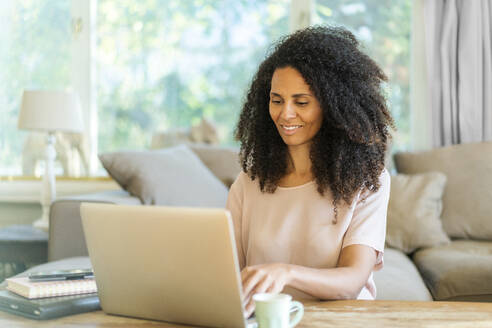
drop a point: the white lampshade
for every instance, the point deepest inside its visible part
(50, 110)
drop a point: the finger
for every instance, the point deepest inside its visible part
(246, 300)
(276, 287)
(262, 286)
(246, 272)
(246, 275)
(272, 288)
(250, 283)
(250, 307)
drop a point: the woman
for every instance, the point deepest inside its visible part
(309, 208)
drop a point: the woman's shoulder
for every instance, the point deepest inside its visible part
(384, 187)
(243, 181)
(384, 182)
(244, 188)
(385, 179)
(385, 176)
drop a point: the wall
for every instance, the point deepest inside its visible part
(19, 197)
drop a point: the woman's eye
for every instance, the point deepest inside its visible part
(275, 101)
(302, 103)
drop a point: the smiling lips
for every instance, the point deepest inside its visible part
(290, 129)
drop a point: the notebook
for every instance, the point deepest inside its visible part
(41, 289)
(47, 308)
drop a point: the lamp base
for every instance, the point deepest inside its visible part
(48, 192)
(43, 222)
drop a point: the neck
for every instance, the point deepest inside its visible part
(300, 163)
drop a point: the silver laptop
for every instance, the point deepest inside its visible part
(165, 263)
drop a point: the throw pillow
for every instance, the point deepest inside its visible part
(414, 211)
(222, 161)
(466, 201)
(173, 176)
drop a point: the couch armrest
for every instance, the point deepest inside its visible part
(66, 238)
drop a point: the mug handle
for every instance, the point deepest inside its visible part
(299, 308)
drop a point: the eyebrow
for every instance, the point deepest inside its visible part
(297, 95)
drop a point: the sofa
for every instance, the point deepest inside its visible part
(439, 238)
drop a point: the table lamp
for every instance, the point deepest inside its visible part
(49, 111)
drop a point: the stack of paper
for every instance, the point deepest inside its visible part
(40, 289)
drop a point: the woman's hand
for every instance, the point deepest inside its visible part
(263, 278)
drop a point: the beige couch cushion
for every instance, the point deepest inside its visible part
(222, 161)
(414, 211)
(460, 271)
(467, 206)
(399, 279)
(172, 176)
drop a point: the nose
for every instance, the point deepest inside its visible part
(288, 111)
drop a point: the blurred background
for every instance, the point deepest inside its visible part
(147, 66)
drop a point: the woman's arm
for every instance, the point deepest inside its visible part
(355, 264)
(234, 205)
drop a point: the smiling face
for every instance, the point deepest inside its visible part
(293, 107)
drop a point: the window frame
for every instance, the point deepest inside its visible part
(83, 69)
(84, 47)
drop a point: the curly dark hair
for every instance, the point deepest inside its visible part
(348, 152)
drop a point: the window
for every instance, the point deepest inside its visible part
(383, 27)
(166, 64)
(35, 53)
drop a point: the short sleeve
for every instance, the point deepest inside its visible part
(234, 205)
(368, 224)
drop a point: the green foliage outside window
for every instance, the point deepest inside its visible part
(167, 64)
(34, 54)
(384, 28)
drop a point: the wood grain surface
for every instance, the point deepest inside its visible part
(357, 314)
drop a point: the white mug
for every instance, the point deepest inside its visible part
(273, 310)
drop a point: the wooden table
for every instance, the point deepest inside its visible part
(363, 314)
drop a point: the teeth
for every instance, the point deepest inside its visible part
(292, 127)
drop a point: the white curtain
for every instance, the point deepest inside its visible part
(457, 83)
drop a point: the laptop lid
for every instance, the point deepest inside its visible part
(165, 263)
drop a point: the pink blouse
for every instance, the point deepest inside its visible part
(294, 225)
